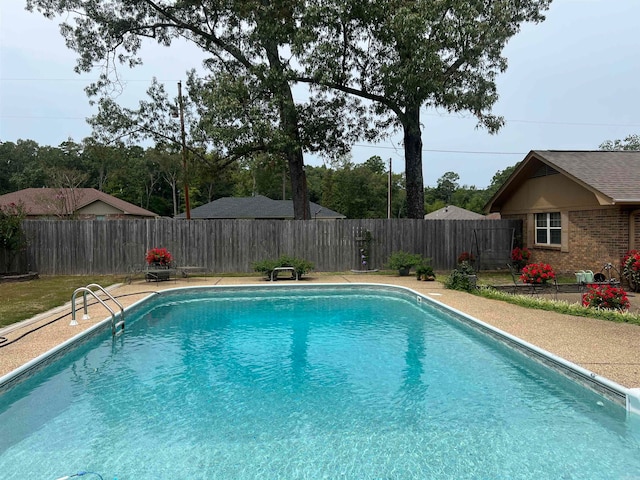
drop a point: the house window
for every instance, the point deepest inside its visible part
(548, 228)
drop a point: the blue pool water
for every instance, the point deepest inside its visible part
(301, 384)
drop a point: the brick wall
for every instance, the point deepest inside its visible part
(596, 237)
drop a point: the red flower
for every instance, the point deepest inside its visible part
(161, 256)
(466, 257)
(537, 273)
(631, 268)
(518, 254)
(605, 297)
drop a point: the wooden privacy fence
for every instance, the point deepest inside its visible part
(73, 247)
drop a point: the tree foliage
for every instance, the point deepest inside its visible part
(398, 56)
(404, 55)
(631, 142)
(245, 103)
(151, 179)
(12, 237)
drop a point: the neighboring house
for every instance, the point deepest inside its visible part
(81, 203)
(580, 209)
(258, 207)
(451, 212)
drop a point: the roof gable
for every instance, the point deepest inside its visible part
(612, 176)
(62, 201)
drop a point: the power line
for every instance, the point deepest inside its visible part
(540, 122)
(35, 79)
(442, 151)
(42, 117)
(439, 115)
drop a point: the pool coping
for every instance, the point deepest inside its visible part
(629, 398)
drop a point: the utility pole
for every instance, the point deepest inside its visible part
(184, 155)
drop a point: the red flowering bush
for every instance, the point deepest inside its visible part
(466, 257)
(537, 273)
(520, 257)
(160, 256)
(631, 268)
(605, 297)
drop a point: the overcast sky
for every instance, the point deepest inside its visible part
(573, 82)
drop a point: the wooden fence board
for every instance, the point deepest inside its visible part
(117, 246)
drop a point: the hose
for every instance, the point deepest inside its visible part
(4, 341)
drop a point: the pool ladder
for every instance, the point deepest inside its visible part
(115, 324)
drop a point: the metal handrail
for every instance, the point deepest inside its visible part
(111, 297)
(85, 290)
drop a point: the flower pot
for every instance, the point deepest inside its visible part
(404, 271)
(158, 272)
(473, 281)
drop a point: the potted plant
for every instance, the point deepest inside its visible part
(537, 273)
(159, 257)
(606, 297)
(424, 271)
(159, 261)
(403, 262)
(466, 257)
(520, 257)
(462, 278)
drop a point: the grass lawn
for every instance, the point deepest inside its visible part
(22, 300)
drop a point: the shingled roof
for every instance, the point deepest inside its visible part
(46, 201)
(613, 176)
(451, 212)
(258, 207)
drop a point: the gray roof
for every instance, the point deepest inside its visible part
(616, 174)
(451, 212)
(259, 207)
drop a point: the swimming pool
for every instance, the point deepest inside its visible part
(307, 382)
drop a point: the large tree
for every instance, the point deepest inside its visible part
(247, 38)
(403, 55)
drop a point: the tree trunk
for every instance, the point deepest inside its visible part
(293, 154)
(413, 162)
(301, 209)
(289, 124)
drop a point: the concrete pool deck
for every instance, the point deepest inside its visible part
(608, 349)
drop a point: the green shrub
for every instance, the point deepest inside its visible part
(12, 238)
(400, 259)
(461, 278)
(424, 271)
(265, 266)
(574, 309)
(300, 265)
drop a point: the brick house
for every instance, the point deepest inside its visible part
(579, 209)
(80, 203)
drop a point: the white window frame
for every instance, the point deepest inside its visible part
(547, 228)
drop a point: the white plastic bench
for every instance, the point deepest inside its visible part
(277, 270)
